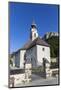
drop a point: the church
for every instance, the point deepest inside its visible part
(35, 51)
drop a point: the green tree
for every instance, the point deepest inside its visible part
(54, 45)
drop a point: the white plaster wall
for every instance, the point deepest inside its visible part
(34, 31)
(17, 59)
(14, 61)
(31, 53)
(22, 53)
(42, 54)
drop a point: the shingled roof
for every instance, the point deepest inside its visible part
(37, 41)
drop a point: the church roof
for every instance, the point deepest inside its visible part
(30, 44)
(37, 41)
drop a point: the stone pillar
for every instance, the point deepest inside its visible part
(12, 81)
(46, 66)
(28, 72)
(47, 70)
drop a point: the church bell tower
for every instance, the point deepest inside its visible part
(33, 31)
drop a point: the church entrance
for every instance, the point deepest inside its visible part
(46, 68)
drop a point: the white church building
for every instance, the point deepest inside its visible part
(35, 51)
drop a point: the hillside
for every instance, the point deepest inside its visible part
(54, 45)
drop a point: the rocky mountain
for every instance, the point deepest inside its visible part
(50, 34)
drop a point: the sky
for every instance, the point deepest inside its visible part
(21, 16)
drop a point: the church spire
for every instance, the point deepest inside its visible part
(33, 24)
(33, 34)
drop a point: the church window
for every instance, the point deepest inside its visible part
(43, 49)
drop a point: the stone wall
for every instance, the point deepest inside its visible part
(21, 78)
